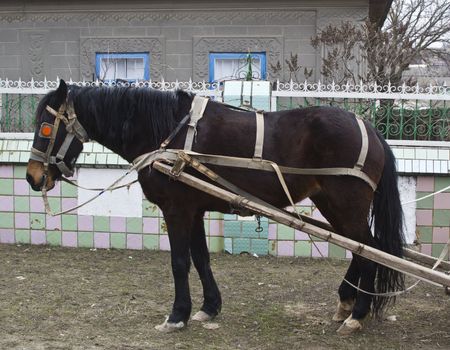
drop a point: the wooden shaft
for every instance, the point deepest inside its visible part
(407, 267)
(425, 259)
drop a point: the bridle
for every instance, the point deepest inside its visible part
(65, 114)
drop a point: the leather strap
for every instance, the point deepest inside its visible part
(364, 144)
(259, 143)
(197, 109)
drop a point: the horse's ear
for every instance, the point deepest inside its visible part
(61, 92)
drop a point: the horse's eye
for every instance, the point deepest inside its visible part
(46, 130)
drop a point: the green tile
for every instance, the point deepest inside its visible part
(436, 249)
(118, 240)
(335, 251)
(149, 209)
(206, 226)
(37, 221)
(150, 242)
(20, 171)
(101, 223)
(21, 204)
(241, 245)
(67, 190)
(424, 203)
(23, 236)
(85, 239)
(228, 245)
(54, 237)
(259, 246)
(69, 222)
(248, 229)
(55, 203)
(6, 186)
(285, 233)
(441, 182)
(302, 248)
(424, 234)
(232, 229)
(216, 244)
(134, 225)
(441, 217)
(305, 210)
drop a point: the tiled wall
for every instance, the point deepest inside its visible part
(22, 218)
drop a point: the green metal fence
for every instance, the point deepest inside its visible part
(397, 120)
(401, 114)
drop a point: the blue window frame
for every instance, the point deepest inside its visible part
(234, 65)
(123, 66)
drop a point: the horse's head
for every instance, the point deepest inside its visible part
(58, 140)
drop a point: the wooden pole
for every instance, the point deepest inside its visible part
(407, 267)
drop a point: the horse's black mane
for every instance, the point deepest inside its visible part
(119, 114)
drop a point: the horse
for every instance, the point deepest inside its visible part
(134, 121)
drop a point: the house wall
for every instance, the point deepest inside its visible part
(134, 223)
(51, 38)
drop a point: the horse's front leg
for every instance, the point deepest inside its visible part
(212, 301)
(179, 226)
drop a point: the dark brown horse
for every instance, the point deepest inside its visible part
(134, 121)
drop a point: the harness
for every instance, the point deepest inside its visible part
(65, 114)
(257, 162)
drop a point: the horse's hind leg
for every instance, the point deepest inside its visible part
(347, 212)
(347, 294)
(212, 301)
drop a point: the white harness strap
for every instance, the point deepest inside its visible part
(197, 109)
(259, 143)
(364, 144)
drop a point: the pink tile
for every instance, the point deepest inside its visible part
(37, 205)
(6, 203)
(7, 236)
(426, 249)
(69, 239)
(285, 248)
(101, 240)
(6, 171)
(301, 236)
(215, 227)
(150, 225)
(425, 184)
(424, 217)
(117, 224)
(22, 220)
(85, 223)
(68, 203)
(38, 237)
(272, 234)
(316, 214)
(134, 241)
(442, 201)
(348, 254)
(441, 234)
(319, 250)
(21, 187)
(53, 222)
(164, 243)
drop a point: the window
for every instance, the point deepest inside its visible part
(122, 66)
(228, 66)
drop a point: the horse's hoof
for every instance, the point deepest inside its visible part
(202, 316)
(343, 311)
(349, 326)
(169, 327)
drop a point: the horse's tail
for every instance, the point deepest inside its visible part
(388, 214)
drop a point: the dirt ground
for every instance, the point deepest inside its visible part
(56, 298)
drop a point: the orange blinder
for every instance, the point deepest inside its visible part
(46, 130)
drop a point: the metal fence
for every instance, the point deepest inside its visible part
(404, 112)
